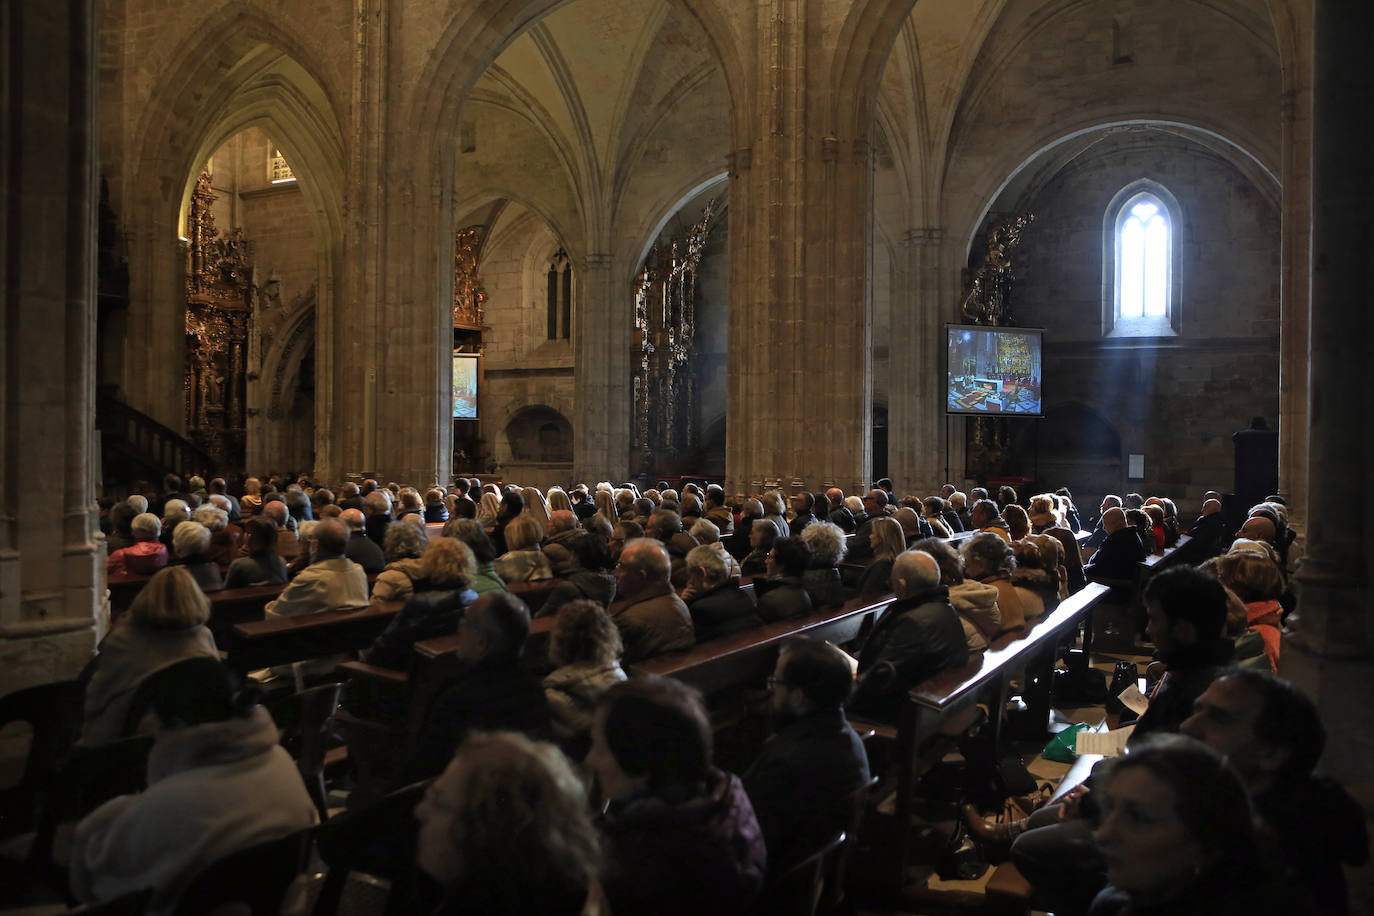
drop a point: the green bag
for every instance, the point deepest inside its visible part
(1060, 748)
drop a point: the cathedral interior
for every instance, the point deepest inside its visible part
(585, 240)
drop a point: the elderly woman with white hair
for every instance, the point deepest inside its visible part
(191, 544)
(708, 535)
(822, 577)
(146, 555)
(405, 545)
(224, 538)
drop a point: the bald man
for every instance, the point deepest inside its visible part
(331, 582)
(1121, 551)
(918, 637)
(1099, 533)
(1209, 537)
(361, 549)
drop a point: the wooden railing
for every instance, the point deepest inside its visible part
(140, 446)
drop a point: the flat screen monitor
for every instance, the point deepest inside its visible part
(994, 371)
(465, 386)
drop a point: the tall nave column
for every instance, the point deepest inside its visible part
(800, 200)
(601, 429)
(1330, 651)
(52, 575)
(916, 448)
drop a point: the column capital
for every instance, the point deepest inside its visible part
(598, 261)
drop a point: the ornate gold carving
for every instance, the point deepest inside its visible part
(989, 296)
(665, 385)
(988, 302)
(469, 297)
(219, 297)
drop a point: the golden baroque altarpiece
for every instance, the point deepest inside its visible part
(219, 308)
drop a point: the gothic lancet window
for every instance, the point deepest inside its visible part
(1140, 252)
(559, 297)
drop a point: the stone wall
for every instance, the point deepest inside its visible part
(1176, 400)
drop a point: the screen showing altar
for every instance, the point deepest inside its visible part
(993, 370)
(465, 386)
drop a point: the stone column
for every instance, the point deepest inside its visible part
(916, 421)
(52, 573)
(604, 401)
(1296, 249)
(800, 229)
(1329, 651)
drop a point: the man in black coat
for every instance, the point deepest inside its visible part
(1209, 537)
(918, 637)
(361, 549)
(1120, 553)
(491, 693)
(802, 781)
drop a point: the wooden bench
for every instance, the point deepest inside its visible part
(937, 701)
(744, 659)
(233, 606)
(1124, 606)
(282, 640)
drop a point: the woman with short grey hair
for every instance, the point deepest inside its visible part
(403, 546)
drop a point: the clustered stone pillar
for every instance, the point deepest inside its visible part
(1329, 651)
(52, 576)
(915, 412)
(601, 441)
(800, 203)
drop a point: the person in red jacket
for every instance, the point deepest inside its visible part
(146, 555)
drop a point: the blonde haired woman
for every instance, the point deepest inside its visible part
(523, 561)
(888, 541)
(165, 624)
(536, 507)
(443, 590)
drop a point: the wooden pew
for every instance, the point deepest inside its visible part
(282, 640)
(720, 666)
(951, 693)
(123, 590)
(1124, 605)
(233, 606)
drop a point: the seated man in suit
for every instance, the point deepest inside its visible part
(331, 581)
(801, 782)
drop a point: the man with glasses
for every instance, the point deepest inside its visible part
(800, 781)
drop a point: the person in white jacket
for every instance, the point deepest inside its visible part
(218, 782)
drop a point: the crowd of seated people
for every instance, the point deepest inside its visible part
(652, 825)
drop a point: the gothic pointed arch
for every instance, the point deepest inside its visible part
(236, 68)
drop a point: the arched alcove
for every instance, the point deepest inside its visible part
(541, 435)
(679, 359)
(238, 72)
